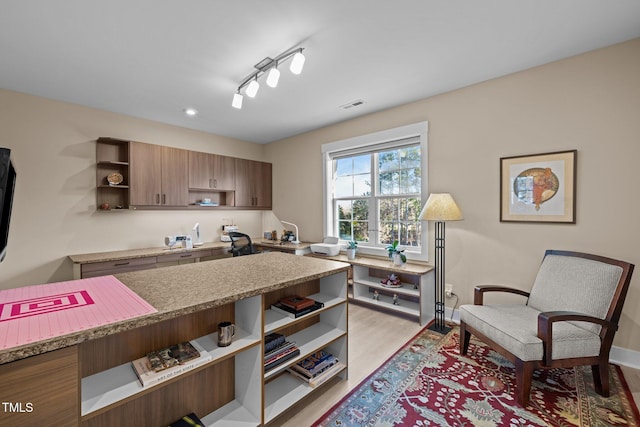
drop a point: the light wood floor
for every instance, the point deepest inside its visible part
(373, 337)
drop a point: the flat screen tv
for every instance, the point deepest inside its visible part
(7, 187)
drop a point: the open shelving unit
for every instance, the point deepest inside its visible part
(116, 393)
(112, 155)
(230, 389)
(415, 297)
(325, 329)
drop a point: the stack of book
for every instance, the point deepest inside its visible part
(278, 350)
(296, 306)
(160, 365)
(316, 368)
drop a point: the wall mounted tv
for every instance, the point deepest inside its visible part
(7, 187)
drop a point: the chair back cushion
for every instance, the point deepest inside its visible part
(570, 283)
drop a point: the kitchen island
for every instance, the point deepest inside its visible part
(85, 378)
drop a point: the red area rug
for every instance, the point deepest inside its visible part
(428, 383)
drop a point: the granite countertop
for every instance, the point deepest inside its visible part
(183, 289)
(382, 263)
(141, 253)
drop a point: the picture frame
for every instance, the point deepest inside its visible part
(539, 188)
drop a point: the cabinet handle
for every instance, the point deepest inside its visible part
(215, 183)
(164, 199)
(210, 183)
(157, 198)
(186, 256)
(119, 264)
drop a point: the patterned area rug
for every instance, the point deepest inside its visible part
(428, 383)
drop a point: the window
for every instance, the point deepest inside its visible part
(374, 186)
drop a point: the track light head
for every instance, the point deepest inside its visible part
(237, 100)
(297, 63)
(273, 77)
(252, 89)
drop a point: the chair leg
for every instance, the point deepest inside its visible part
(524, 374)
(465, 336)
(601, 378)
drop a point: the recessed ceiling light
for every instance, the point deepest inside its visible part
(190, 112)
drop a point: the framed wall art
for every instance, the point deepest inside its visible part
(538, 188)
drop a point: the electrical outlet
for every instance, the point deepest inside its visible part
(448, 290)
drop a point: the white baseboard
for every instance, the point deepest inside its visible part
(618, 355)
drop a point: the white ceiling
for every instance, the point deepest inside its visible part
(153, 58)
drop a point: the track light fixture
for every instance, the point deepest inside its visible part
(270, 65)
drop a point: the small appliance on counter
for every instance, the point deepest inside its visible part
(183, 240)
(225, 232)
(329, 246)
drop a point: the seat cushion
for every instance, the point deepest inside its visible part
(515, 327)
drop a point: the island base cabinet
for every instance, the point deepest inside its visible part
(41, 390)
(200, 392)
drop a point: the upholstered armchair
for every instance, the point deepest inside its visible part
(569, 318)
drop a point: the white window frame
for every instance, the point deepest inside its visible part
(364, 142)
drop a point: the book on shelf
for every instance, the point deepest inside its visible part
(174, 355)
(278, 350)
(148, 376)
(272, 341)
(297, 302)
(315, 363)
(320, 378)
(287, 311)
(281, 358)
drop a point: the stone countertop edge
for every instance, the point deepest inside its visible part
(141, 253)
(183, 289)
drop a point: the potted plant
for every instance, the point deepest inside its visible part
(352, 245)
(395, 253)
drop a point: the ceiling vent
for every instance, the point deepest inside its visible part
(352, 104)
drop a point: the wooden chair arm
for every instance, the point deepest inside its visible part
(548, 318)
(478, 292)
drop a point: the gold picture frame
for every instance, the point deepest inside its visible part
(539, 188)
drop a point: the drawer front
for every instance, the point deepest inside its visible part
(180, 256)
(128, 264)
(118, 270)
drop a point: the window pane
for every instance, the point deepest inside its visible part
(344, 209)
(388, 210)
(388, 232)
(344, 167)
(388, 160)
(388, 183)
(410, 157)
(360, 210)
(345, 230)
(362, 164)
(362, 185)
(344, 186)
(361, 231)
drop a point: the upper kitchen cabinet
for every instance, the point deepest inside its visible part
(211, 172)
(159, 176)
(253, 184)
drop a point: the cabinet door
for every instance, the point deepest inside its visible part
(211, 172)
(223, 173)
(263, 185)
(145, 164)
(159, 175)
(175, 177)
(199, 170)
(253, 184)
(245, 183)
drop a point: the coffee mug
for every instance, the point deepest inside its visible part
(226, 331)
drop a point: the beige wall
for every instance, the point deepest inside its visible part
(590, 103)
(54, 213)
